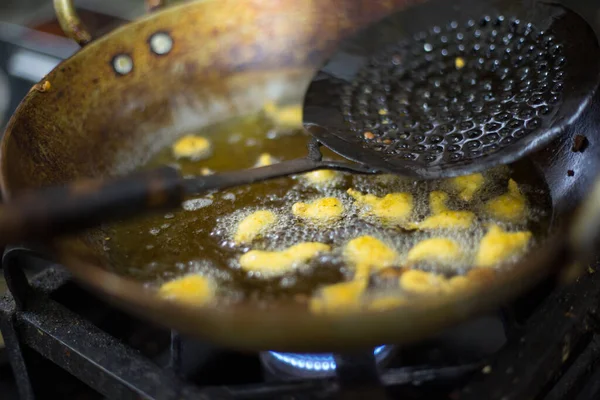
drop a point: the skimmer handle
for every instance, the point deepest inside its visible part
(61, 210)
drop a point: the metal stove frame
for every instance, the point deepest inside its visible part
(561, 357)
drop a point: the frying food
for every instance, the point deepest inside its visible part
(497, 246)
(509, 207)
(322, 178)
(272, 263)
(193, 147)
(191, 289)
(438, 250)
(392, 209)
(284, 116)
(324, 210)
(442, 217)
(468, 185)
(338, 241)
(421, 282)
(367, 253)
(341, 297)
(254, 225)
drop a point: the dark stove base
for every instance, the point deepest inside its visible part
(63, 343)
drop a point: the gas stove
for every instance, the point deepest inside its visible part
(62, 342)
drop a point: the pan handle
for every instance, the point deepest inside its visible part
(75, 29)
(62, 210)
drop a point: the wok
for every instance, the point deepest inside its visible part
(229, 58)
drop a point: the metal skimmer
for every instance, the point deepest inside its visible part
(448, 88)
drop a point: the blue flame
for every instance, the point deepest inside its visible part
(313, 362)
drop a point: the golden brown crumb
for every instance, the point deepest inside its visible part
(43, 87)
(369, 135)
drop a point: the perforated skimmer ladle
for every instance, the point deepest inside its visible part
(450, 88)
(438, 90)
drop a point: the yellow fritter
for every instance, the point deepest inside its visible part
(193, 147)
(274, 263)
(498, 245)
(322, 177)
(467, 186)
(190, 289)
(421, 282)
(264, 160)
(326, 209)
(284, 116)
(254, 225)
(438, 250)
(509, 207)
(369, 252)
(441, 217)
(340, 297)
(393, 208)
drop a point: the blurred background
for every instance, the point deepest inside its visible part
(32, 44)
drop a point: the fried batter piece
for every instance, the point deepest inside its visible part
(277, 263)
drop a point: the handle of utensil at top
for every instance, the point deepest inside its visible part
(75, 29)
(62, 210)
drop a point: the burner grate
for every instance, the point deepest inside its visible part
(34, 321)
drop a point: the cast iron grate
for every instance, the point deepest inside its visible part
(558, 341)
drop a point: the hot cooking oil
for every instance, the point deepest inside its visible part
(200, 238)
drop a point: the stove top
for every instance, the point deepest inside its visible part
(64, 343)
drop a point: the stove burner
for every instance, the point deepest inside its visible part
(310, 365)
